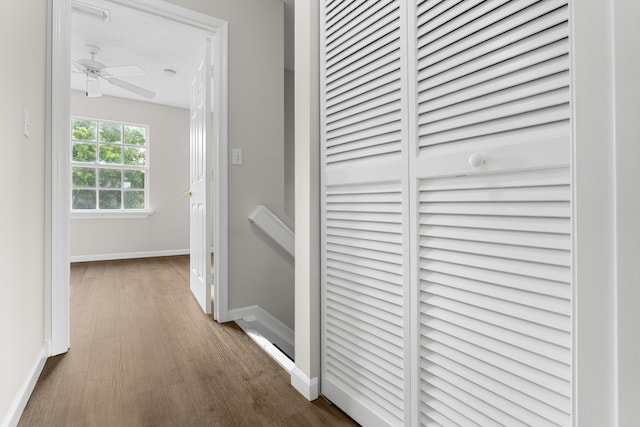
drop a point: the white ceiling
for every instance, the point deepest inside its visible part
(133, 38)
(153, 43)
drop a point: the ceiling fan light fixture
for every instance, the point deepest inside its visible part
(93, 11)
(93, 87)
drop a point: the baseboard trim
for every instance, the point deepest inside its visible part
(268, 327)
(308, 387)
(20, 402)
(273, 351)
(127, 255)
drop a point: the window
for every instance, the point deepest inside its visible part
(109, 166)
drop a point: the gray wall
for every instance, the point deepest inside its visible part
(22, 217)
(167, 229)
(289, 146)
(260, 273)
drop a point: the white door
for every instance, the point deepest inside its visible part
(446, 211)
(200, 184)
(364, 223)
(492, 216)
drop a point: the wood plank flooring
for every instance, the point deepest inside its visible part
(143, 354)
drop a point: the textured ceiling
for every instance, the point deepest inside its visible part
(134, 38)
(153, 43)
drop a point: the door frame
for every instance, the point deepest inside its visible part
(57, 303)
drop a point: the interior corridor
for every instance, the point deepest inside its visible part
(143, 354)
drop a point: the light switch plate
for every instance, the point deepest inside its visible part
(27, 122)
(236, 157)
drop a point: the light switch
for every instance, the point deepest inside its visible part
(236, 157)
(27, 122)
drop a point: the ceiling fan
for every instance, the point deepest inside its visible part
(94, 71)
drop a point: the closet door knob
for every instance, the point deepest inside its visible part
(476, 160)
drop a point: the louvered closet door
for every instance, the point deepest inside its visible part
(492, 223)
(364, 210)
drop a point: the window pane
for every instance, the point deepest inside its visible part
(134, 156)
(111, 153)
(83, 199)
(135, 135)
(110, 199)
(110, 178)
(133, 179)
(110, 132)
(134, 200)
(84, 130)
(84, 152)
(84, 177)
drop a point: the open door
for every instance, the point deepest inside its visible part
(201, 148)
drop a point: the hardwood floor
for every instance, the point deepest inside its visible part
(143, 354)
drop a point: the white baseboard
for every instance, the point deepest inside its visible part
(263, 323)
(127, 255)
(308, 387)
(273, 351)
(22, 397)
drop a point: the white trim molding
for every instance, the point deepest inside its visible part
(60, 334)
(268, 346)
(273, 227)
(115, 214)
(16, 408)
(265, 324)
(308, 387)
(127, 255)
(60, 172)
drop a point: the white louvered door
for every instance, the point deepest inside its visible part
(492, 228)
(447, 212)
(364, 210)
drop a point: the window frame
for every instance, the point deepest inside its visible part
(97, 165)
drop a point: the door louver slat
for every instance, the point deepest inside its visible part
(511, 341)
(362, 78)
(446, 286)
(363, 291)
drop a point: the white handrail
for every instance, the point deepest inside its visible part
(273, 227)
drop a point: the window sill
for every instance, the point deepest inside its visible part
(115, 214)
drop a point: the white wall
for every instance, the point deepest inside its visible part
(167, 229)
(627, 142)
(23, 36)
(259, 272)
(307, 194)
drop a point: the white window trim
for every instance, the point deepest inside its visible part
(110, 214)
(114, 213)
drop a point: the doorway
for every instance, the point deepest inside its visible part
(216, 30)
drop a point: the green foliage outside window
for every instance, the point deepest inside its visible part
(110, 178)
(133, 200)
(110, 199)
(119, 154)
(84, 130)
(133, 179)
(134, 156)
(111, 154)
(83, 152)
(110, 132)
(83, 199)
(83, 177)
(134, 135)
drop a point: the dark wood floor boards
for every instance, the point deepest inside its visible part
(143, 354)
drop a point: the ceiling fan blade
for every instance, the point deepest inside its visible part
(131, 87)
(93, 88)
(90, 63)
(125, 71)
(77, 68)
